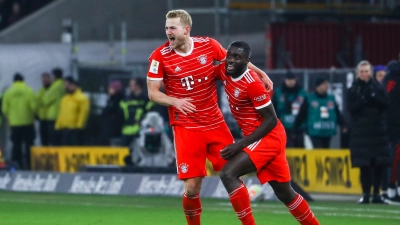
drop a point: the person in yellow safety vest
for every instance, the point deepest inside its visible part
(52, 100)
(134, 108)
(42, 109)
(74, 111)
(19, 107)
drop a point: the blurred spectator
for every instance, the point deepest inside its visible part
(42, 109)
(74, 111)
(320, 114)
(13, 10)
(287, 101)
(379, 73)
(112, 116)
(1, 115)
(369, 144)
(392, 85)
(19, 107)
(134, 108)
(16, 13)
(52, 100)
(3, 13)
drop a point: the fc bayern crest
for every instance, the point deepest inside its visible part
(183, 167)
(236, 93)
(202, 59)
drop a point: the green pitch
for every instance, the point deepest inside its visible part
(61, 209)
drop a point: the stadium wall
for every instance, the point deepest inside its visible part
(144, 19)
(114, 184)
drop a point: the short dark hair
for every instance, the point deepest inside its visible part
(244, 46)
(57, 72)
(18, 77)
(71, 80)
(140, 82)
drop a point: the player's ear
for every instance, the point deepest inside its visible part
(187, 30)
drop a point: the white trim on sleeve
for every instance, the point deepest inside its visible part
(265, 105)
(151, 78)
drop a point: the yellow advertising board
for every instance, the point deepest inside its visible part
(325, 171)
(320, 171)
(69, 159)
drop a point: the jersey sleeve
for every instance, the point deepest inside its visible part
(156, 71)
(219, 51)
(258, 94)
(219, 71)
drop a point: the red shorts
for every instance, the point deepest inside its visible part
(192, 147)
(269, 156)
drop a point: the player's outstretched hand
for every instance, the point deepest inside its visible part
(265, 79)
(229, 151)
(184, 105)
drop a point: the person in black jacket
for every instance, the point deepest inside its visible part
(392, 86)
(369, 145)
(112, 116)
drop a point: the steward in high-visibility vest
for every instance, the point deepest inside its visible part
(321, 115)
(42, 110)
(287, 101)
(134, 108)
(19, 107)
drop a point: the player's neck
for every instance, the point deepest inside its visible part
(239, 73)
(185, 48)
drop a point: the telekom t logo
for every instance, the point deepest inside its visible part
(187, 82)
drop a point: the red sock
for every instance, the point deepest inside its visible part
(192, 209)
(300, 209)
(241, 204)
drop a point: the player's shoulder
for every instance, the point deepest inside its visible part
(161, 50)
(252, 77)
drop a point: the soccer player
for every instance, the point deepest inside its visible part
(262, 150)
(185, 65)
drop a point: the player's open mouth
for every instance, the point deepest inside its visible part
(171, 40)
(230, 68)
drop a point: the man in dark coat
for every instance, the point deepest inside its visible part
(392, 86)
(112, 115)
(369, 145)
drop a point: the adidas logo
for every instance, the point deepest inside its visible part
(177, 69)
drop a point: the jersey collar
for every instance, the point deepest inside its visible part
(187, 53)
(241, 76)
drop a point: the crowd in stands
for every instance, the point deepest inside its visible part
(62, 110)
(12, 11)
(373, 104)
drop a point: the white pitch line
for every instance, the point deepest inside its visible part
(255, 205)
(255, 209)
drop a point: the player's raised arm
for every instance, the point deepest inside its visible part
(263, 76)
(155, 95)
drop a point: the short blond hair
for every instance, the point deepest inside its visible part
(364, 63)
(185, 17)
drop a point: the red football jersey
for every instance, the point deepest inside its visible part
(245, 94)
(190, 75)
